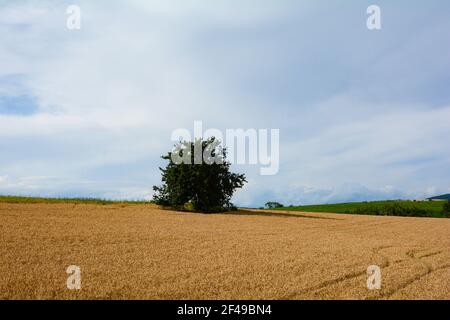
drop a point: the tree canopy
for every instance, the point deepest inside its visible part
(198, 177)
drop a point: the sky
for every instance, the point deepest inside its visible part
(363, 115)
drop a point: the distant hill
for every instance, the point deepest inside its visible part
(442, 197)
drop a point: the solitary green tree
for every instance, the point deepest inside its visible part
(198, 177)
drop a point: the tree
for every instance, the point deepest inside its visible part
(198, 177)
(273, 205)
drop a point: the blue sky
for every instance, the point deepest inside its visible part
(363, 115)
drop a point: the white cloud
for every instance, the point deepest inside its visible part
(110, 94)
(3, 180)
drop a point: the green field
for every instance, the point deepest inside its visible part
(394, 208)
(384, 208)
(15, 199)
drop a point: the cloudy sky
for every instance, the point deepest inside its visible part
(363, 115)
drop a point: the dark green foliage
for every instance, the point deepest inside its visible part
(204, 186)
(387, 208)
(394, 209)
(446, 209)
(273, 205)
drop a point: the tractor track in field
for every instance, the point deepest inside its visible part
(387, 262)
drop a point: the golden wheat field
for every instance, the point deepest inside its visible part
(142, 252)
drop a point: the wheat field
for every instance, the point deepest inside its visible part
(142, 252)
